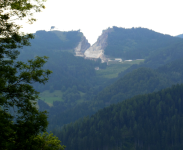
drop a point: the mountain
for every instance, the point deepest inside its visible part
(144, 122)
(46, 42)
(181, 36)
(134, 43)
(159, 58)
(72, 76)
(61, 47)
(74, 89)
(165, 55)
(97, 49)
(141, 81)
(138, 81)
(82, 47)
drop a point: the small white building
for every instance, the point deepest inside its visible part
(97, 68)
(129, 60)
(118, 59)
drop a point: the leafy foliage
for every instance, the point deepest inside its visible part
(20, 119)
(47, 142)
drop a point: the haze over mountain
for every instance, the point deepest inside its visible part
(134, 43)
(139, 81)
(144, 61)
(181, 35)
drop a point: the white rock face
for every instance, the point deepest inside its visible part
(97, 49)
(82, 47)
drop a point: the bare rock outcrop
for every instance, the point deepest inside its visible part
(82, 46)
(97, 49)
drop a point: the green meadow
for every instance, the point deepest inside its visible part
(48, 97)
(114, 68)
(112, 71)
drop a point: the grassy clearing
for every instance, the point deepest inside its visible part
(50, 97)
(111, 71)
(138, 61)
(81, 100)
(114, 68)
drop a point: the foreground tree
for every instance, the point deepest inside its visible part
(20, 120)
(47, 141)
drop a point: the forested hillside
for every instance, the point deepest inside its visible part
(75, 90)
(151, 121)
(54, 41)
(165, 55)
(181, 35)
(142, 81)
(136, 43)
(125, 92)
(72, 78)
(162, 57)
(68, 70)
(139, 81)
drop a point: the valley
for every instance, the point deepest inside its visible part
(107, 75)
(91, 83)
(110, 72)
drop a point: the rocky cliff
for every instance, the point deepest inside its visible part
(97, 49)
(82, 46)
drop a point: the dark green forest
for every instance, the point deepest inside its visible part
(131, 98)
(71, 75)
(68, 70)
(54, 41)
(137, 43)
(119, 119)
(139, 81)
(150, 121)
(181, 35)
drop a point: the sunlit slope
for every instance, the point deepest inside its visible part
(151, 121)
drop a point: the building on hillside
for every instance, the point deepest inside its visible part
(97, 68)
(118, 59)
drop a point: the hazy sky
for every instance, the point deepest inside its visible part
(93, 16)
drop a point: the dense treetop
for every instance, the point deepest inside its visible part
(136, 43)
(139, 81)
(165, 55)
(68, 70)
(51, 41)
(73, 75)
(151, 121)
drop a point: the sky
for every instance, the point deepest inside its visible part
(93, 16)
